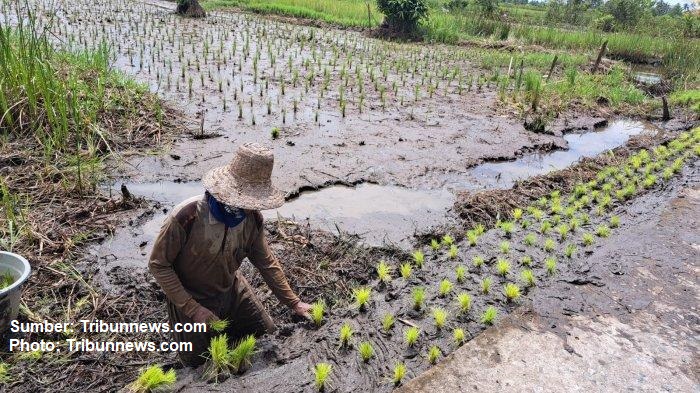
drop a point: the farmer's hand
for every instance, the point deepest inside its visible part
(204, 315)
(302, 309)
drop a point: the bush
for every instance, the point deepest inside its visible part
(403, 15)
(605, 23)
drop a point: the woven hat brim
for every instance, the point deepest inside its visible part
(228, 189)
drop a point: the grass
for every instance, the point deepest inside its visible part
(362, 296)
(502, 267)
(418, 295)
(410, 336)
(388, 322)
(322, 373)
(549, 245)
(219, 325)
(399, 373)
(478, 261)
(452, 252)
(687, 98)
(489, 315)
(447, 240)
(587, 239)
(570, 250)
(317, 311)
(6, 279)
(366, 351)
(152, 379)
(434, 244)
(4, 373)
(504, 246)
(486, 285)
(526, 260)
(530, 239)
(345, 334)
(550, 265)
(602, 231)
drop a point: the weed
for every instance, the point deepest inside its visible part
(433, 354)
(405, 270)
(528, 277)
(388, 322)
(453, 252)
(317, 310)
(439, 317)
(444, 288)
(383, 272)
(460, 273)
(486, 285)
(399, 373)
(410, 336)
(602, 231)
(478, 261)
(588, 239)
(458, 335)
(362, 296)
(530, 239)
(346, 333)
(322, 372)
(151, 379)
(489, 315)
(465, 302)
(366, 351)
(503, 267)
(505, 247)
(418, 295)
(551, 265)
(512, 291)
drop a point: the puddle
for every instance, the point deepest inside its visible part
(647, 78)
(505, 174)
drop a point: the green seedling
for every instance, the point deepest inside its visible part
(405, 270)
(447, 240)
(275, 132)
(219, 359)
(242, 353)
(574, 223)
(563, 230)
(489, 315)
(478, 261)
(362, 296)
(505, 247)
(418, 295)
(322, 372)
(458, 335)
(530, 239)
(433, 354)
(602, 231)
(545, 227)
(6, 279)
(419, 258)
(399, 373)
(410, 336)
(434, 244)
(507, 227)
(614, 222)
(588, 239)
(453, 252)
(383, 272)
(346, 333)
(445, 288)
(570, 250)
(512, 291)
(218, 325)
(464, 300)
(502, 267)
(517, 214)
(366, 351)
(549, 245)
(460, 273)
(388, 322)
(472, 237)
(479, 229)
(528, 277)
(317, 310)
(526, 260)
(551, 265)
(439, 317)
(152, 379)
(486, 285)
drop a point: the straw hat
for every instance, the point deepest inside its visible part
(246, 181)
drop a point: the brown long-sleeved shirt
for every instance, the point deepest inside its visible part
(196, 257)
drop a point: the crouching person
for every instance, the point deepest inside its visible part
(202, 243)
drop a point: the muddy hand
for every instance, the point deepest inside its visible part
(204, 315)
(302, 309)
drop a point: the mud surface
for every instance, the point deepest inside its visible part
(627, 320)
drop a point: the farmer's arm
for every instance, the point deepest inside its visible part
(165, 250)
(262, 258)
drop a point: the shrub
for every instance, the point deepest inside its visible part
(321, 373)
(403, 15)
(150, 380)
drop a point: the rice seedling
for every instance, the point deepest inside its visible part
(317, 311)
(419, 258)
(445, 288)
(602, 231)
(526, 260)
(614, 222)
(405, 269)
(152, 379)
(545, 227)
(530, 239)
(472, 238)
(504, 246)
(447, 240)
(517, 214)
(366, 351)
(410, 336)
(388, 322)
(218, 325)
(570, 250)
(434, 244)
(219, 361)
(345, 334)
(502, 267)
(418, 295)
(5, 377)
(439, 317)
(460, 273)
(550, 265)
(479, 229)
(549, 245)
(322, 372)
(361, 296)
(486, 285)
(275, 132)
(459, 337)
(507, 227)
(563, 231)
(528, 277)
(588, 239)
(453, 252)
(383, 272)
(241, 354)
(433, 354)
(512, 291)
(489, 315)
(464, 300)
(399, 373)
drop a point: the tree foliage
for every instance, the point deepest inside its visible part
(403, 15)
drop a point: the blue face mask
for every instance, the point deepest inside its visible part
(230, 216)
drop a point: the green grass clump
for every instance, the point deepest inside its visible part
(602, 231)
(241, 354)
(550, 265)
(388, 322)
(460, 273)
(478, 261)
(399, 373)
(219, 359)
(563, 231)
(345, 334)
(151, 379)
(361, 296)
(433, 354)
(458, 335)
(405, 269)
(512, 291)
(464, 300)
(383, 272)
(410, 336)
(503, 267)
(439, 317)
(489, 315)
(418, 295)
(445, 288)
(317, 311)
(528, 277)
(517, 214)
(219, 325)
(452, 252)
(486, 285)
(322, 372)
(366, 351)
(418, 258)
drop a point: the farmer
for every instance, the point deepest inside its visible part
(202, 244)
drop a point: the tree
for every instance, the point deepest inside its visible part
(628, 12)
(190, 8)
